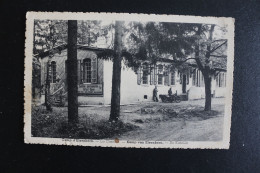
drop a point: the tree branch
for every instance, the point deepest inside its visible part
(218, 47)
(219, 56)
(219, 40)
(181, 62)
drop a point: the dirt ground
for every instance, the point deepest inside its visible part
(185, 121)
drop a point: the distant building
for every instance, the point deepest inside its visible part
(95, 78)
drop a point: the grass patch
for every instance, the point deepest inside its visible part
(176, 113)
(55, 125)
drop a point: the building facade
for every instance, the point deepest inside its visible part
(95, 79)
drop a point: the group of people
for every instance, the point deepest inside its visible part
(155, 91)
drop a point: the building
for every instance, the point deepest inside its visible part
(95, 78)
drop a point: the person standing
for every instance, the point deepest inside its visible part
(155, 97)
(170, 92)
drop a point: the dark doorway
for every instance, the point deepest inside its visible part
(184, 83)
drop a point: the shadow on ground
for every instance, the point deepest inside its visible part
(148, 121)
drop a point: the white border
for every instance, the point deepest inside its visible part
(126, 17)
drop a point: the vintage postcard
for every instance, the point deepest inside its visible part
(128, 80)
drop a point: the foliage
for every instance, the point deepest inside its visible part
(48, 34)
(88, 32)
(51, 33)
(177, 41)
(36, 76)
(54, 124)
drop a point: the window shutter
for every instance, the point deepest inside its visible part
(222, 79)
(94, 70)
(53, 72)
(139, 76)
(81, 71)
(155, 74)
(78, 71)
(151, 75)
(181, 78)
(43, 73)
(166, 79)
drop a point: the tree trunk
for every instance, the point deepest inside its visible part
(47, 88)
(207, 80)
(72, 73)
(116, 78)
(206, 73)
(36, 81)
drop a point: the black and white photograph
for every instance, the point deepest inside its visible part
(128, 80)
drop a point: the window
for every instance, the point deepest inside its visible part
(166, 76)
(160, 74)
(53, 72)
(221, 80)
(145, 74)
(87, 70)
(173, 78)
(160, 69)
(160, 79)
(139, 74)
(197, 79)
(145, 78)
(151, 75)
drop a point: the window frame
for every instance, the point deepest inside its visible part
(173, 77)
(85, 80)
(53, 72)
(161, 79)
(160, 73)
(145, 70)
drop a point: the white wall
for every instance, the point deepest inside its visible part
(108, 68)
(199, 92)
(89, 100)
(220, 92)
(196, 93)
(131, 92)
